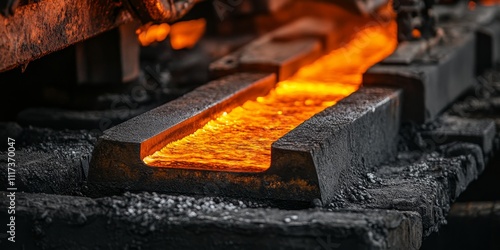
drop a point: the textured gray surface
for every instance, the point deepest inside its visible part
(343, 141)
(48, 161)
(453, 129)
(435, 80)
(151, 220)
(483, 21)
(424, 183)
(471, 225)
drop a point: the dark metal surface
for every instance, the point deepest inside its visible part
(450, 129)
(342, 142)
(282, 51)
(180, 222)
(434, 81)
(437, 76)
(488, 47)
(470, 225)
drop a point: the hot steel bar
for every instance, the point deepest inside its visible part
(310, 162)
(152, 130)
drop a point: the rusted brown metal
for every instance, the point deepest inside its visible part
(38, 29)
(42, 27)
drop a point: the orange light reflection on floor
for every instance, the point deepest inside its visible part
(240, 140)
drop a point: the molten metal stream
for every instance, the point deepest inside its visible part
(240, 140)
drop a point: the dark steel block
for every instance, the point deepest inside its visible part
(308, 163)
(150, 220)
(339, 143)
(282, 51)
(488, 46)
(450, 129)
(484, 21)
(281, 58)
(434, 81)
(469, 225)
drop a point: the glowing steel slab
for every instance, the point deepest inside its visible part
(230, 151)
(310, 162)
(240, 140)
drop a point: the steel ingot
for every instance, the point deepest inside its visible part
(315, 160)
(160, 11)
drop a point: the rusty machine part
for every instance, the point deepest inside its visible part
(159, 11)
(68, 22)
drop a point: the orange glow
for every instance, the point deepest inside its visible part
(416, 33)
(490, 2)
(182, 34)
(472, 5)
(152, 33)
(240, 140)
(185, 35)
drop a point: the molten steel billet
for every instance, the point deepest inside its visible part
(254, 148)
(241, 139)
(310, 162)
